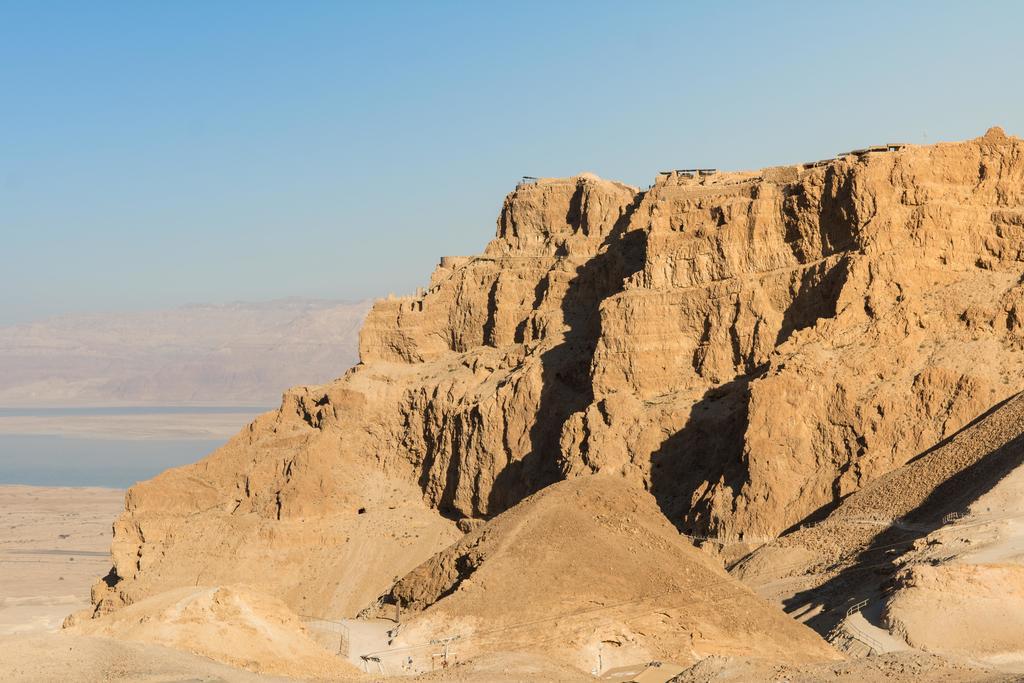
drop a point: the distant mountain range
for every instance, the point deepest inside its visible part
(234, 354)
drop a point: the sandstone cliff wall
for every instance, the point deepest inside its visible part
(751, 347)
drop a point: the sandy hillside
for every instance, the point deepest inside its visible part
(507, 667)
(230, 624)
(935, 549)
(960, 590)
(54, 544)
(327, 547)
(889, 668)
(590, 573)
(46, 658)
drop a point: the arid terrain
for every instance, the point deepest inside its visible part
(735, 426)
(54, 542)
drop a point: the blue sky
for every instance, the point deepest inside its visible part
(154, 154)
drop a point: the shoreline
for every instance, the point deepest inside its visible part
(129, 426)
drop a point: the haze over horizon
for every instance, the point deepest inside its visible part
(155, 155)
(240, 354)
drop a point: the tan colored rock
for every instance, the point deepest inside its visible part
(327, 538)
(902, 667)
(879, 524)
(67, 656)
(929, 554)
(750, 347)
(786, 343)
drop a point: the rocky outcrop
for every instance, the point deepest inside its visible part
(786, 342)
(750, 347)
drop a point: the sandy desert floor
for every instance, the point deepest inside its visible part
(52, 657)
(54, 543)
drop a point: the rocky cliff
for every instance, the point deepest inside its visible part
(750, 347)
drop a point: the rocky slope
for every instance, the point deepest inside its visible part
(590, 573)
(749, 347)
(929, 554)
(904, 506)
(328, 544)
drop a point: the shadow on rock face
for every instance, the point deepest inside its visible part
(874, 568)
(706, 453)
(566, 368)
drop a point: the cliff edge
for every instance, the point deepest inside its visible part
(749, 347)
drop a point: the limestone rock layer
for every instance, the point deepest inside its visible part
(750, 347)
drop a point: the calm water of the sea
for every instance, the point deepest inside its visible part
(71, 461)
(74, 461)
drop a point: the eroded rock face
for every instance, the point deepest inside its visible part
(750, 347)
(788, 341)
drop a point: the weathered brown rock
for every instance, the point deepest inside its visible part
(795, 340)
(750, 347)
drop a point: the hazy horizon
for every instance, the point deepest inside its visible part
(112, 398)
(241, 354)
(185, 305)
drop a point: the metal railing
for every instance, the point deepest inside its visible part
(951, 517)
(845, 628)
(330, 634)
